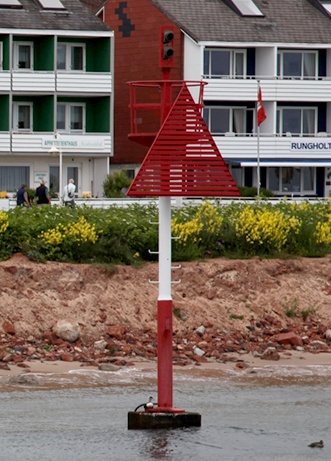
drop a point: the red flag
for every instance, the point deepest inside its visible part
(261, 115)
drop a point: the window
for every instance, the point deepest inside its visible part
(326, 5)
(247, 7)
(291, 180)
(10, 4)
(130, 173)
(70, 57)
(51, 4)
(54, 175)
(226, 120)
(12, 177)
(238, 174)
(299, 121)
(297, 64)
(23, 55)
(22, 116)
(224, 63)
(70, 117)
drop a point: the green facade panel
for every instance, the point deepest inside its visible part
(44, 53)
(5, 51)
(43, 113)
(4, 111)
(98, 55)
(98, 115)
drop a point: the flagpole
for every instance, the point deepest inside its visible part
(258, 144)
(258, 159)
(260, 117)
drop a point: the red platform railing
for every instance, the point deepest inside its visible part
(150, 103)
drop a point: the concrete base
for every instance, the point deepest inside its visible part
(146, 420)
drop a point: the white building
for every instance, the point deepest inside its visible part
(286, 46)
(55, 90)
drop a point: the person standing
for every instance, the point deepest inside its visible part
(23, 197)
(42, 194)
(69, 194)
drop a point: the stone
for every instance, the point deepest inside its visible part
(66, 357)
(8, 328)
(4, 366)
(101, 344)
(328, 334)
(198, 351)
(66, 330)
(242, 365)
(319, 344)
(200, 330)
(116, 331)
(199, 359)
(50, 337)
(270, 354)
(288, 338)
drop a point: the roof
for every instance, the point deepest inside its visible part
(284, 21)
(94, 5)
(76, 16)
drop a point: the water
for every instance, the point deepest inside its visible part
(258, 417)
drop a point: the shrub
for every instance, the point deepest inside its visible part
(116, 184)
(252, 192)
(130, 235)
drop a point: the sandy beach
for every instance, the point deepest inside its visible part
(239, 363)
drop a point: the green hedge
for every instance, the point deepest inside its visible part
(127, 235)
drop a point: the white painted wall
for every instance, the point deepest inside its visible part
(192, 57)
(266, 62)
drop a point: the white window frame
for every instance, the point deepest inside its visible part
(67, 122)
(280, 64)
(232, 71)
(68, 61)
(16, 106)
(16, 47)
(231, 128)
(280, 115)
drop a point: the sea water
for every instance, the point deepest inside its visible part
(250, 416)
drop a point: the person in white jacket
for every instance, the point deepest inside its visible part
(69, 194)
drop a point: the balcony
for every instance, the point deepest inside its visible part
(273, 89)
(50, 82)
(89, 82)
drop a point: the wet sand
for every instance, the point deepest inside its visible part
(287, 359)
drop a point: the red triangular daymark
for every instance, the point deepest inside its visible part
(183, 159)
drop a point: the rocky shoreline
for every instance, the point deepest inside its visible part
(266, 340)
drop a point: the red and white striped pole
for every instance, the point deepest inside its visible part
(164, 305)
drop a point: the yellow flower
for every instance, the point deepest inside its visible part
(3, 222)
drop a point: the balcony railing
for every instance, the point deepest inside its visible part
(50, 82)
(273, 89)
